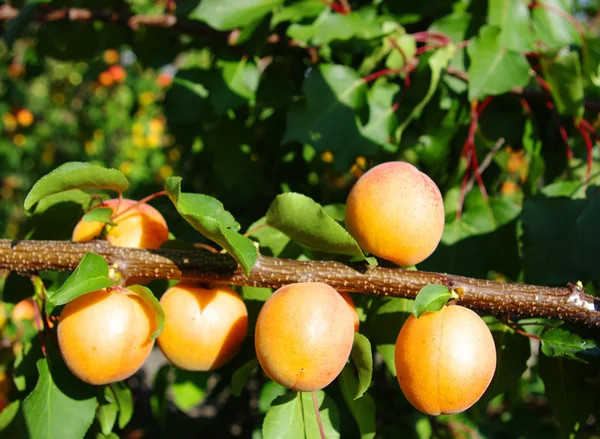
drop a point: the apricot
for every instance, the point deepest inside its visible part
(24, 117)
(396, 212)
(118, 73)
(24, 310)
(204, 328)
(352, 307)
(445, 360)
(304, 335)
(141, 226)
(104, 336)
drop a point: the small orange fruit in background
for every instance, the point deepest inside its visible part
(204, 328)
(118, 73)
(24, 310)
(111, 56)
(304, 335)
(141, 227)
(24, 117)
(104, 336)
(445, 360)
(106, 79)
(396, 212)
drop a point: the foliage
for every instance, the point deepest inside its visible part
(266, 112)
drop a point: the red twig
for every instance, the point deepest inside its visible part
(405, 59)
(384, 72)
(588, 145)
(550, 105)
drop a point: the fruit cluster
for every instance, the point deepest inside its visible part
(304, 333)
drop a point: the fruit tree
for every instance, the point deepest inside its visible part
(299, 219)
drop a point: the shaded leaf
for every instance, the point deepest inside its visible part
(125, 401)
(189, 388)
(150, 299)
(240, 376)
(564, 76)
(269, 391)
(363, 408)
(284, 418)
(559, 342)
(362, 357)
(330, 415)
(17, 26)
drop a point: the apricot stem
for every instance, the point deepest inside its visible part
(496, 298)
(133, 206)
(318, 413)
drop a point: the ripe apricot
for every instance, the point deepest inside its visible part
(104, 336)
(352, 307)
(142, 226)
(24, 310)
(24, 117)
(105, 78)
(118, 73)
(304, 335)
(396, 212)
(204, 328)
(445, 360)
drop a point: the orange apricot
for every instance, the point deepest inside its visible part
(204, 328)
(445, 360)
(105, 78)
(304, 335)
(104, 336)
(24, 310)
(142, 226)
(24, 117)
(118, 73)
(352, 307)
(396, 212)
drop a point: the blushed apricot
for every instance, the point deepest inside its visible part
(141, 226)
(204, 328)
(445, 360)
(104, 336)
(304, 335)
(396, 212)
(24, 310)
(352, 307)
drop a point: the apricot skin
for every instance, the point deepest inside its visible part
(445, 360)
(141, 227)
(352, 307)
(396, 212)
(104, 336)
(204, 328)
(304, 335)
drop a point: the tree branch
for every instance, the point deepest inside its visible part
(569, 304)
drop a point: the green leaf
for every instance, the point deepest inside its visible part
(558, 342)
(75, 175)
(233, 85)
(198, 89)
(297, 11)
(189, 388)
(207, 215)
(570, 396)
(553, 29)
(240, 376)
(284, 418)
(150, 299)
(269, 391)
(564, 76)
(8, 414)
(382, 119)
(362, 357)
(431, 298)
(326, 117)
(17, 26)
(330, 415)
(100, 214)
(363, 408)
(396, 58)
(305, 221)
(230, 14)
(53, 399)
(435, 65)
(90, 275)
(107, 412)
(512, 17)
(494, 69)
(125, 401)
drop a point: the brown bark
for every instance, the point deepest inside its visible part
(570, 304)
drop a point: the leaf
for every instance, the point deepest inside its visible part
(512, 17)
(570, 396)
(551, 28)
(362, 357)
(75, 175)
(382, 119)
(107, 412)
(17, 26)
(363, 408)
(233, 85)
(198, 89)
(330, 415)
(90, 275)
(207, 215)
(558, 342)
(326, 117)
(564, 76)
(50, 402)
(150, 299)
(240, 376)
(435, 64)
(297, 11)
(574, 249)
(8, 414)
(189, 388)
(230, 14)
(494, 69)
(305, 221)
(125, 401)
(101, 214)
(269, 391)
(396, 58)
(431, 298)
(284, 418)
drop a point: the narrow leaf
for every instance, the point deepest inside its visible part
(125, 400)
(431, 298)
(363, 359)
(240, 376)
(90, 275)
(150, 299)
(75, 175)
(363, 408)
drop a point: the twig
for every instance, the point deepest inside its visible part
(485, 163)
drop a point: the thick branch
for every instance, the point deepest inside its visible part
(569, 304)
